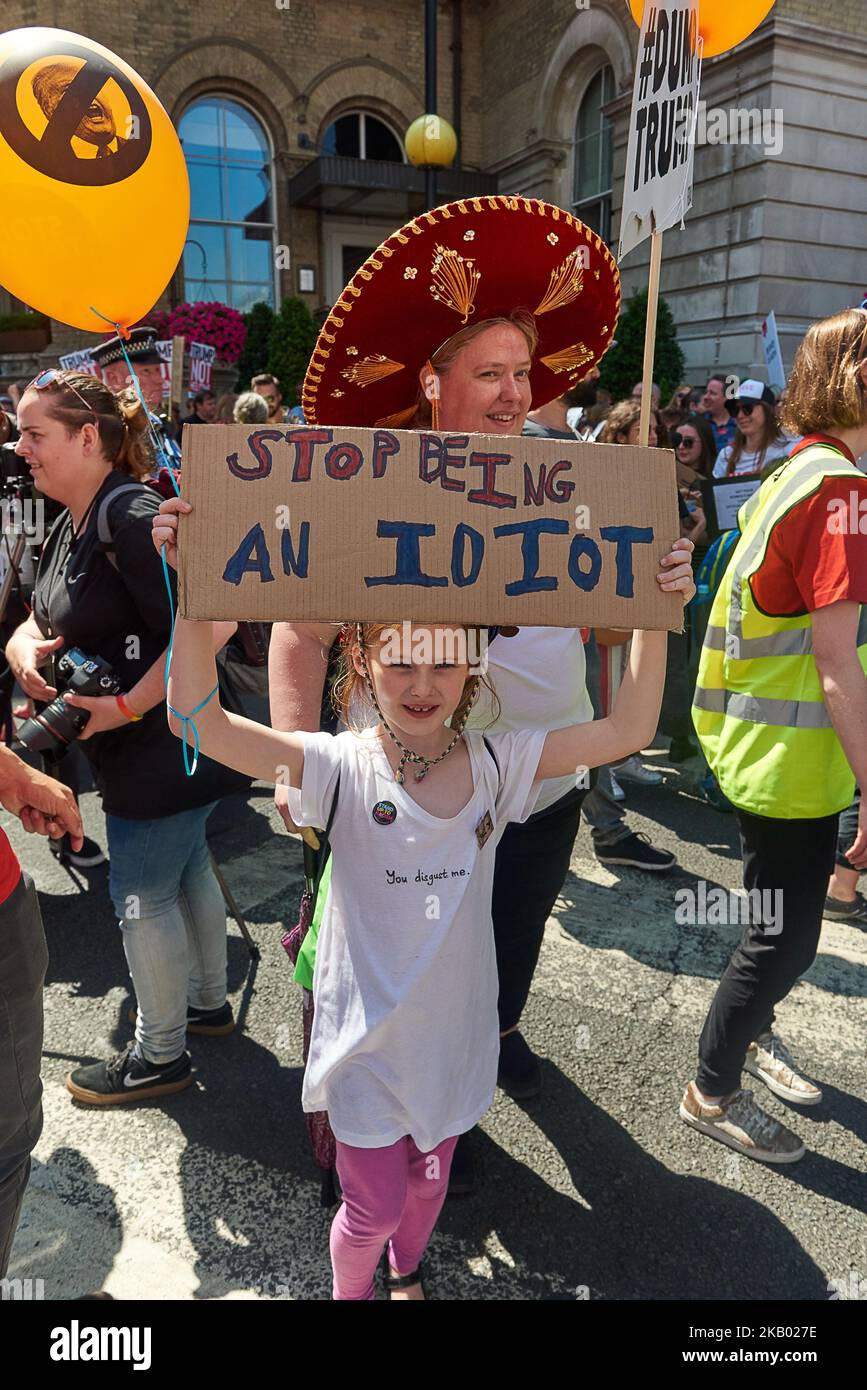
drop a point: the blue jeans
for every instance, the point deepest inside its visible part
(173, 920)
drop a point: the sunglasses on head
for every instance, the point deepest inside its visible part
(679, 439)
(52, 377)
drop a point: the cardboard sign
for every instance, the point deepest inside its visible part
(657, 188)
(314, 524)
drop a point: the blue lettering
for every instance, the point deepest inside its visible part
(464, 533)
(625, 537)
(408, 568)
(530, 531)
(585, 579)
(251, 557)
(291, 565)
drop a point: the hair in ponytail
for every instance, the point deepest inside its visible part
(76, 399)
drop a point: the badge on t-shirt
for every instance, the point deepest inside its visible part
(384, 812)
(484, 830)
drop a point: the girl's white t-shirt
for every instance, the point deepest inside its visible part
(405, 1031)
(540, 680)
(755, 461)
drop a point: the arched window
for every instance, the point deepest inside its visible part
(591, 198)
(229, 254)
(362, 136)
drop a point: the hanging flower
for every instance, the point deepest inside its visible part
(218, 325)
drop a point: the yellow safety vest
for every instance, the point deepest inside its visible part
(759, 710)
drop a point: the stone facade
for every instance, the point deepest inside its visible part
(769, 229)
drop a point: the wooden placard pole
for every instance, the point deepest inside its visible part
(650, 337)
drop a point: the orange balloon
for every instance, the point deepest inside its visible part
(96, 198)
(721, 23)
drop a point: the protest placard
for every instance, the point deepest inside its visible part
(657, 188)
(201, 361)
(80, 361)
(773, 355)
(164, 347)
(316, 524)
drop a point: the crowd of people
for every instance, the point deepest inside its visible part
(415, 1018)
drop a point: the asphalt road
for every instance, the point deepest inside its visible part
(596, 1190)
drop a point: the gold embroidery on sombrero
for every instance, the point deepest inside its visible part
(565, 283)
(553, 238)
(336, 393)
(352, 352)
(370, 369)
(456, 281)
(410, 273)
(568, 359)
(469, 236)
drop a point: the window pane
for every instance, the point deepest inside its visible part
(587, 167)
(379, 141)
(244, 138)
(199, 130)
(206, 192)
(206, 289)
(250, 258)
(248, 195)
(346, 136)
(245, 295)
(593, 139)
(207, 259)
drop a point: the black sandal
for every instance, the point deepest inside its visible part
(401, 1281)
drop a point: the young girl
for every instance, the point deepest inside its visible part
(406, 1035)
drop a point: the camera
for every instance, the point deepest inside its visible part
(59, 724)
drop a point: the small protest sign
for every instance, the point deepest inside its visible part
(80, 361)
(657, 188)
(164, 348)
(201, 360)
(773, 355)
(315, 524)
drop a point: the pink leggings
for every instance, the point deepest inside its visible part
(394, 1192)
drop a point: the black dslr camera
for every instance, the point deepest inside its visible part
(59, 724)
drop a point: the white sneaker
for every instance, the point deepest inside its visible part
(634, 771)
(771, 1061)
(738, 1121)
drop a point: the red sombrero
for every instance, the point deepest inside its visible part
(458, 264)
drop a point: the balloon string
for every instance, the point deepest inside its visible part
(159, 450)
(187, 720)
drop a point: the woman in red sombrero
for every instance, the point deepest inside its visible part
(460, 321)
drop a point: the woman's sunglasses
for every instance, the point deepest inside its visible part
(683, 440)
(745, 408)
(51, 377)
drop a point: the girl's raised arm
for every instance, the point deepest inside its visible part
(631, 724)
(228, 738)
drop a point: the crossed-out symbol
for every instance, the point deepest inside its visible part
(54, 154)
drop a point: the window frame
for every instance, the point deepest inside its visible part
(362, 113)
(222, 163)
(601, 198)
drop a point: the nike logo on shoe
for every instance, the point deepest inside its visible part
(139, 1080)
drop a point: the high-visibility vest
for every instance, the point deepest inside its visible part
(759, 710)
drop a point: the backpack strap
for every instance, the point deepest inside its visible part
(103, 527)
(490, 748)
(315, 860)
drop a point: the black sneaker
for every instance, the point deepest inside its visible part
(129, 1077)
(519, 1073)
(87, 857)
(636, 851)
(462, 1174)
(838, 911)
(211, 1023)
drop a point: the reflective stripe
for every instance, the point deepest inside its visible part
(796, 641)
(753, 709)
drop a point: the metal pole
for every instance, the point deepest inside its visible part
(430, 89)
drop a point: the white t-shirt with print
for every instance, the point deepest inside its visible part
(405, 1032)
(755, 461)
(540, 680)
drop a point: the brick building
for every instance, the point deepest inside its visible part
(292, 112)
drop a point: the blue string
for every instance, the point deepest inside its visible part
(187, 719)
(159, 450)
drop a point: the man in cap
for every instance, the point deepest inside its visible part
(141, 350)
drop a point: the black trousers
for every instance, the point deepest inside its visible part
(796, 859)
(23, 961)
(531, 867)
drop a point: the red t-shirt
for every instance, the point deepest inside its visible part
(10, 869)
(817, 554)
